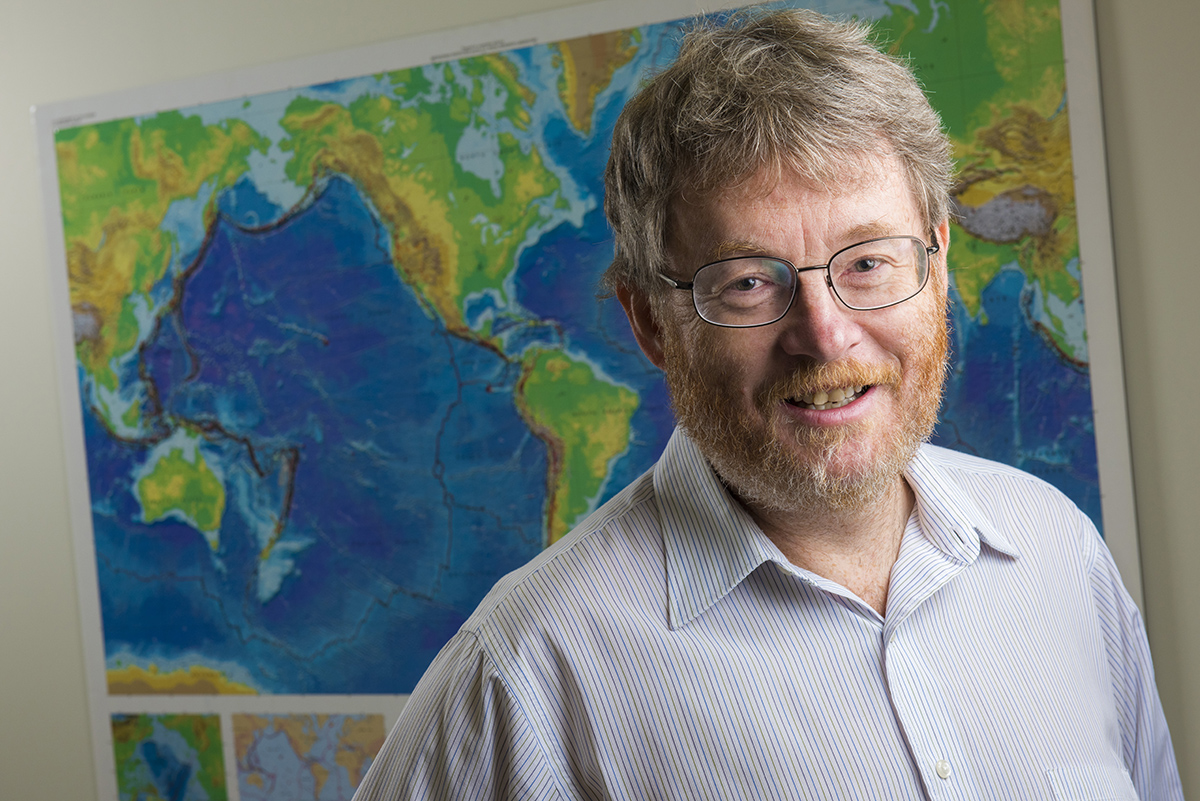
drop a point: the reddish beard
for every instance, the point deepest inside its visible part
(772, 463)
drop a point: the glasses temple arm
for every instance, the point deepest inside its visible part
(684, 285)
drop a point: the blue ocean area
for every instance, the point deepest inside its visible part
(246, 206)
(329, 399)
(171, 776)
(1011, 397)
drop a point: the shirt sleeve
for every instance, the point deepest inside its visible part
(461, 736)
(1145, 740)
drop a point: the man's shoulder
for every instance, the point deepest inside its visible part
(968, 468)
(1009, 504)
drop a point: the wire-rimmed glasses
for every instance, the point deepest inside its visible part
(750, 291)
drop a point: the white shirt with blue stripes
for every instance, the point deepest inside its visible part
(666, 649)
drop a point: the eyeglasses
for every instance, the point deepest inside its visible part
(750, 291)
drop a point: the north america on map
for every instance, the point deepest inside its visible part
(342, 362)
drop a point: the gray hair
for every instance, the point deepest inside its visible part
(785, 91)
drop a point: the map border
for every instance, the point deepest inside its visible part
(1106, 369)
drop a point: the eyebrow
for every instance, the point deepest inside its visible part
(871, 230)
(735, 247)
(740, 247)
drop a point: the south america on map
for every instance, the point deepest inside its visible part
(342, 364)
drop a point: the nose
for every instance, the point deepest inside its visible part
(818, 325)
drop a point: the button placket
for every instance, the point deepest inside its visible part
(922, 711)
(924, 717)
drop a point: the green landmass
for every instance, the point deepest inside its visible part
(995, 72)
(973, 263)
(189, 488)
(585, 422)
(202, 733)
(453, 233)
(952, 59)
(116, 180)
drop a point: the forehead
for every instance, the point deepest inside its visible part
(788, 215)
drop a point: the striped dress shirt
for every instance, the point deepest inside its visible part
(666, 649)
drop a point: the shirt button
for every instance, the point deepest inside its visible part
(943, 769)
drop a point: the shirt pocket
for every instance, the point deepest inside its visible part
(1092, 783)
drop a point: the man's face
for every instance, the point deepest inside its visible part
(746, 396)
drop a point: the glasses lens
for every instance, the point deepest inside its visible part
(744, 292)
(879, 273)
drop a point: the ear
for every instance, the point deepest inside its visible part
(641, 320)
(943, 238)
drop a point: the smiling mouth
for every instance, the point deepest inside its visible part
(829, 399)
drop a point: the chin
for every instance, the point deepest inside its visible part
(830, 470)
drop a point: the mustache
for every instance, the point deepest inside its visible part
(812, 378)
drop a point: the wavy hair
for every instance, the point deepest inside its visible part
(781, 91)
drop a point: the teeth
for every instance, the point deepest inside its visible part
(832, 399)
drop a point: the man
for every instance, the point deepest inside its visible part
(800, 600)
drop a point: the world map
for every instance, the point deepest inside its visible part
(342, 363)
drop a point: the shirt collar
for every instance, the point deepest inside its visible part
(712, 544)
(950, 518)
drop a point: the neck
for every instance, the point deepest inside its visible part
(855, 547)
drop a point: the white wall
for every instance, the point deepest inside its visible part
(54, 50)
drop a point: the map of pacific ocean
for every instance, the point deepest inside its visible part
(342, 364)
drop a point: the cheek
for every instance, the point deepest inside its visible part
(924, 347)
(736, 359)
(923, 334)
(713, 363)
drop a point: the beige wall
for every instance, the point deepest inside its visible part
(1150, 78)
(54, 50)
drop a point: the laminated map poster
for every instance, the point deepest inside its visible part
(332, 361)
